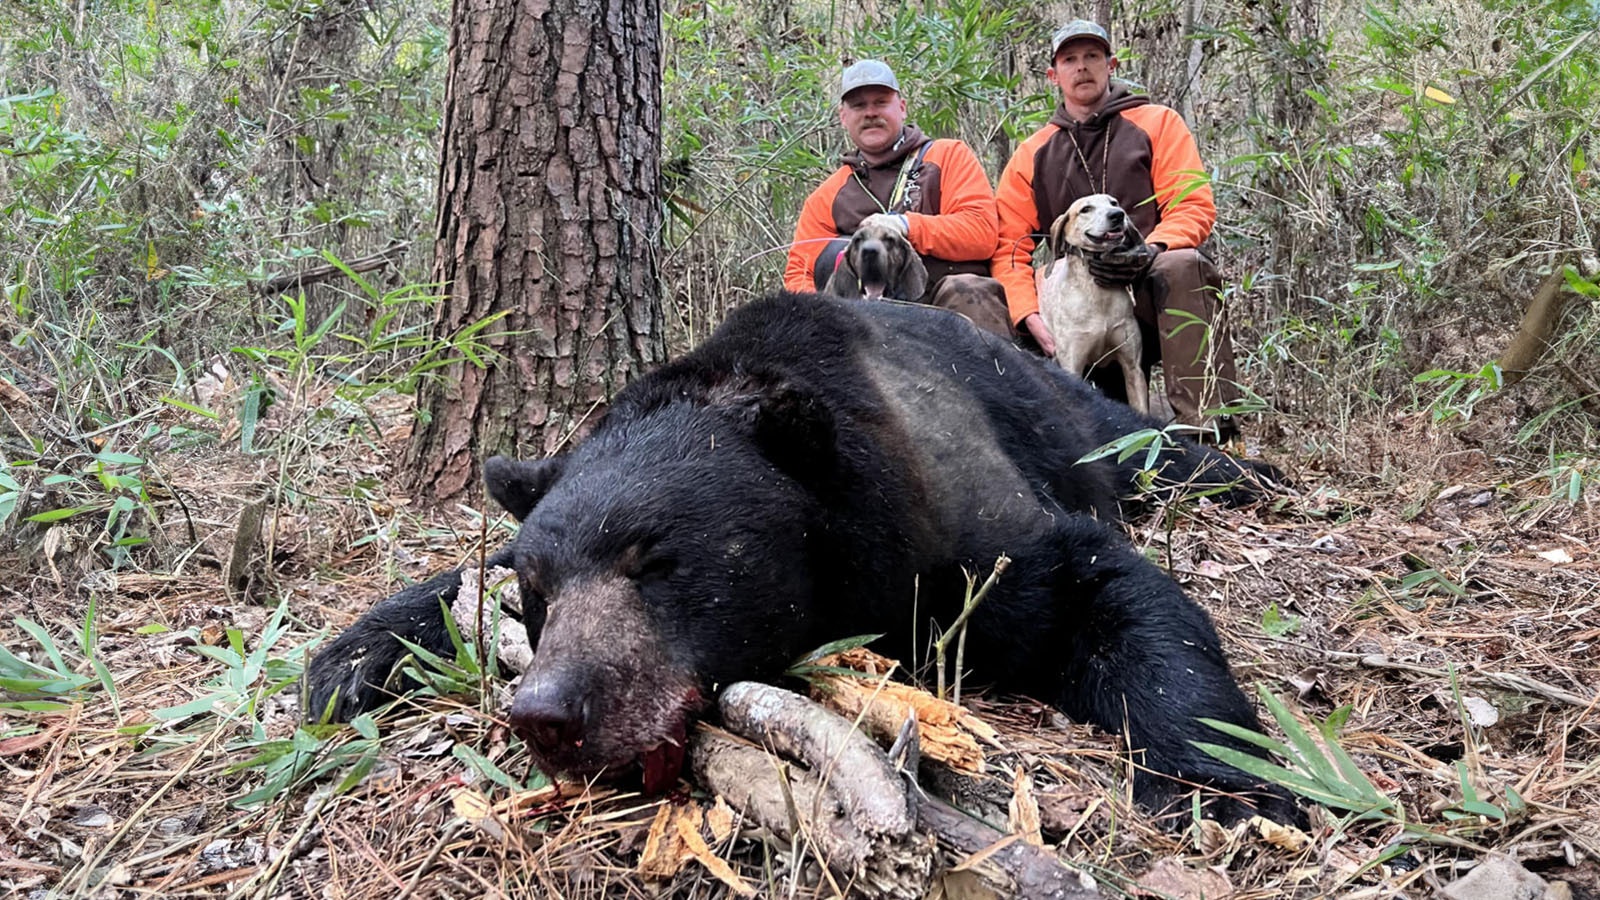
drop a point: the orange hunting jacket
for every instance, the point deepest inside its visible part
(1131, 149)
(949, 208)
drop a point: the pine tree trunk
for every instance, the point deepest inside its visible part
(549, 207)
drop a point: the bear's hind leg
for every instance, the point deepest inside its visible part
(1127, 650)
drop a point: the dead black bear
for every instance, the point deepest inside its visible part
(820, 469)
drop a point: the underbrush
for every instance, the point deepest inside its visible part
(197, 449)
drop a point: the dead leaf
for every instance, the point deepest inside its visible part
(1256, 556)
(664, 851)
(1210, 568)
(689, 831)
(1214, 838)
(469, 804)
(10, 393)
(1171, 878)
(1559, 556)
(1284, 837)
(18, 745)
(476, 808)
(1024, 818)
(1480, 711)
(1061, 809)
(719, 818)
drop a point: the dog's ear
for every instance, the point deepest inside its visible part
(1058, 235)
(845, 280)
(913, 278)
(519, 486)
(1130, 234)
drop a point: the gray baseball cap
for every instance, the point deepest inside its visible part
(1078, 28)
(868, 73)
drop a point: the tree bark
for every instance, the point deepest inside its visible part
(549, 207)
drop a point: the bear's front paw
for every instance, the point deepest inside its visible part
(1227, 800)
(349, 677)
(1267, 801)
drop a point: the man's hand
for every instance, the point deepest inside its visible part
(895, 222)
(1041, 334)
(1124, 265)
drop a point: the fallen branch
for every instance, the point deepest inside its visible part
(1015, 868)
(851, 803)
(277, 284)
(748, 777)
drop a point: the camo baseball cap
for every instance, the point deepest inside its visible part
(1078, 28)
(868, 73)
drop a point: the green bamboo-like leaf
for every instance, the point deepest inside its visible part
(39, 634)
(1481, 808)
(482, 765)
(1249, 736)
(56, 515)
(1307, 752)
(839, 646)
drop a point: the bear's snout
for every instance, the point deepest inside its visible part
(551, 711)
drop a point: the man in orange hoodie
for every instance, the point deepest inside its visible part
(1105, 139)
(934, 192)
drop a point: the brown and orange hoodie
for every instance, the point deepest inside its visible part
(1137, 151)
(947, 202)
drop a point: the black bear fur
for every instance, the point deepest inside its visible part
(819, 469)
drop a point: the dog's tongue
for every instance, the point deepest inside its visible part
(873, 290)
(662, 764)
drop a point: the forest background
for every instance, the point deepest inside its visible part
(216, 242)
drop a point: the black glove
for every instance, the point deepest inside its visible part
(1124, 265)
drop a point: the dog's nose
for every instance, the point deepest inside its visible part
(551, 710)
(1116, 217)
(871, 250)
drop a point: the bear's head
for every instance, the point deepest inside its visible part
(664, 557)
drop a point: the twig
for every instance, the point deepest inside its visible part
(280, 283)
(1504, 680)
(960, 624)
(1539, 73)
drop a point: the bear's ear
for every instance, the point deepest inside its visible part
(790, 423)
(519, 486)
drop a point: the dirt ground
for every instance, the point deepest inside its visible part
(1358, 596)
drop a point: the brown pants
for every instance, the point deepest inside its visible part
(1185, 327)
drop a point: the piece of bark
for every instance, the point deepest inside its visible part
(1536, 330)
(513, 649)
(241, 557)
(947, 732)
(1014, 869)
